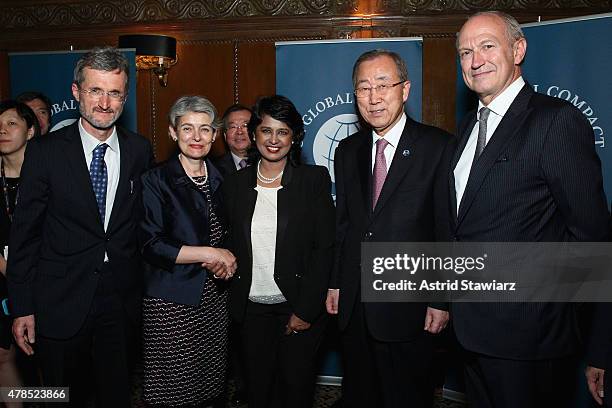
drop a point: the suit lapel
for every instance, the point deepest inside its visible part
(80, 172)
(508, 127)
(283, 207)
(249, 206)
(399, 166)
(465, 130)
(125, 187)
(364, 166)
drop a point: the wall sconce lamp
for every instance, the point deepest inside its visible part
(154, 52)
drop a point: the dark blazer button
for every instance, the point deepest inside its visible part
(369, 234)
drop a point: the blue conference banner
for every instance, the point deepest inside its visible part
(569, 59)
(51, 73)
(317, 77)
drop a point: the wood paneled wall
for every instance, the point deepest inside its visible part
(226, 47)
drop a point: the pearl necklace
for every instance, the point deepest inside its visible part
(205, 179)
(267, 180)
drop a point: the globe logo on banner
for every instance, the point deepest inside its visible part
(329, 135)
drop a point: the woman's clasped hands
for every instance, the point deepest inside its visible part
(220, 262)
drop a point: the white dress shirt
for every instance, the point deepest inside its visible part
(498, 106)
(392, 136)
(112, 160)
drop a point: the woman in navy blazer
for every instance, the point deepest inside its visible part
(185, 317)
(281, 222)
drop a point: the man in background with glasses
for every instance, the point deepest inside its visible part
(74, 269)
(235, 120)
(385, 178)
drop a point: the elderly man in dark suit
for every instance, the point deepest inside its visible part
(74, 272)
(385, 178)
(235, 121)
(525, 170)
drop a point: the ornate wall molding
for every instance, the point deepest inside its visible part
(21, 15)
(17, 14)
(407, 7)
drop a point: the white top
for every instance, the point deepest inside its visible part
(392, 136)
(498, 106)
(263, 244)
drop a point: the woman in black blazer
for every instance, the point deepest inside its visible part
(281, 223)
(185, 317)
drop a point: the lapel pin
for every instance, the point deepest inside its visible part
(406, 153)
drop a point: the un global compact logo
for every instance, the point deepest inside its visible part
(328, 137)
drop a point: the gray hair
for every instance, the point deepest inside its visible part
(514, 32)
(101, 59)
(402, 71)
(193, 103)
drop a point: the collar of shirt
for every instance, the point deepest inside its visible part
(90, 142)
(500, 105)
(392, 136)
(237, 160)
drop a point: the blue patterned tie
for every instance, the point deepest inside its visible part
(99, 177)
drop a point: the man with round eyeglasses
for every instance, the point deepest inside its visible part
(74, 272)
(386, 176)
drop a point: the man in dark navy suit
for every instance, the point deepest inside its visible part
(385, 178)
(74, 269)
(525, 170)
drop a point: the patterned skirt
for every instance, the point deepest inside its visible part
(185, 348)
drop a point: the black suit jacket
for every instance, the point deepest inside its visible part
(538, 179)
(58, 240)
(176, 213)
(225, 164)
(304, 237)
(404, 213)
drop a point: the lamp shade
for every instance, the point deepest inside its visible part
(150, 45)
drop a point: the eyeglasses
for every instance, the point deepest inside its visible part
(382, 89)
(236, 127)
(97, 93)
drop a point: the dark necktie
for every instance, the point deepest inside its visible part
(242, 163)
(380, 170)
(482, 132)
(99, 177)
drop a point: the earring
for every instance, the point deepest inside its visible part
(175, 139)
